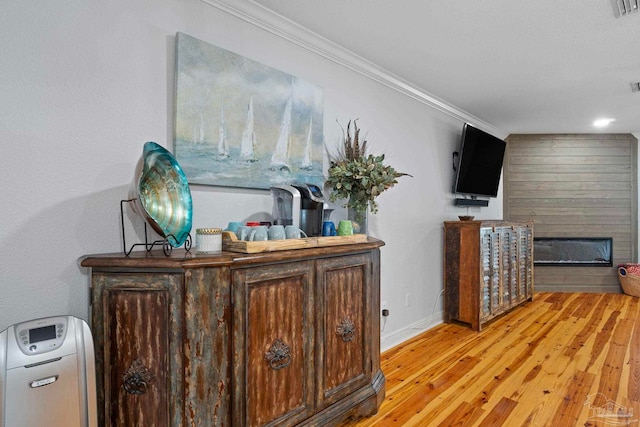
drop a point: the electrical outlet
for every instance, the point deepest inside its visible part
(384, 308)
(407, 300)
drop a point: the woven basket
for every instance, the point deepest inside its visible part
(630, 282)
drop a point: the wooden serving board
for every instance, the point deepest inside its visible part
(231, 243)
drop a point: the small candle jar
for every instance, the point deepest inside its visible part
(208, 240)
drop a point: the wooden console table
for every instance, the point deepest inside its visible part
(278, 338)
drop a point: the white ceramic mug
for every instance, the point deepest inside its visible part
(293, 232)
(276, 232)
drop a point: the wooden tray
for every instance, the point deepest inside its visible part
(231, 243)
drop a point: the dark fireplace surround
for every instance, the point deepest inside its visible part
(573, 251)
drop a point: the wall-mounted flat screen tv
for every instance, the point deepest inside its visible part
(480, 163)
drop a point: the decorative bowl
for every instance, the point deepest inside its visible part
(465, 218)
(162, 194)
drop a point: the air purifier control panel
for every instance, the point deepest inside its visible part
(47, 374)
(42, 335)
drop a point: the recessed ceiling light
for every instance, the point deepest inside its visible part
(600, 123)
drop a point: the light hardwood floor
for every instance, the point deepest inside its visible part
(556, 361)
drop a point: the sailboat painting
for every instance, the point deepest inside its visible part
(240, 123)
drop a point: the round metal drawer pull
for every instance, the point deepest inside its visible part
(346, 329)
(279, 355)
(137, 378)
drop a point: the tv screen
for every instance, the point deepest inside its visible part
(480, 163)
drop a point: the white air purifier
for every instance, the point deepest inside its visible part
(47, 374)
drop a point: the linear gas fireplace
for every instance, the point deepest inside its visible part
(573, 251)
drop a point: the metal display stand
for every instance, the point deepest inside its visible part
(166, 246)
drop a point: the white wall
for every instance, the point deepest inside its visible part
(86, 82)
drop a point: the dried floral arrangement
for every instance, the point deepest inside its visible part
(357, 176)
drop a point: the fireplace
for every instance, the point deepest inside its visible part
(573, 251)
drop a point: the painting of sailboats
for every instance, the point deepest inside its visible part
(241, 123)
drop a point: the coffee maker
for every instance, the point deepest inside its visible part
(300, 205)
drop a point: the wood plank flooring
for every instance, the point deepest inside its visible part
(565, 359)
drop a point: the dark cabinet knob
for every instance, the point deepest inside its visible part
(346, 329)
(137, 378)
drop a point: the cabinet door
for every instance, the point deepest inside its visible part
(136, 347)
(343, 352)
(273, 344)
(508, 268)
(487, 266)
(525, 263)
(492, 274)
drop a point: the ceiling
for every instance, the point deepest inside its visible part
(543, 66)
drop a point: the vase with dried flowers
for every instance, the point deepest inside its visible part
(359, 177)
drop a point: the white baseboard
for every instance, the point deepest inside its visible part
(398, 337)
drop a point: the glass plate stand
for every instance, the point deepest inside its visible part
(166, 246)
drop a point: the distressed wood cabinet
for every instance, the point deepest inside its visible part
(276, 339)
(488, 269)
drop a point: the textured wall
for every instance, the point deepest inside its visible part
(86, 83)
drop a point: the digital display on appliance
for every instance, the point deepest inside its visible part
(42, 334)
(480, 165)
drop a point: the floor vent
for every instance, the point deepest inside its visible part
(625, 7)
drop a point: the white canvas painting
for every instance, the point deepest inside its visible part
(240, 123)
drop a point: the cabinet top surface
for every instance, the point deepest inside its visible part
(179, 258)
(487, 223)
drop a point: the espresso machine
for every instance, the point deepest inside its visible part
(300, 205)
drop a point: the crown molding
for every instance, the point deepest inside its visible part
(267, 20)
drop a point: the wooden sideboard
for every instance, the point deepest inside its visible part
(287, 338)
(488, 269)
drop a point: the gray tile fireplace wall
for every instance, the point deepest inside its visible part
(575, 186)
